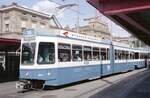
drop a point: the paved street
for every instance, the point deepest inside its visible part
(137, 86)
(116, 86)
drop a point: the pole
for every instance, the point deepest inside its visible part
(78, 17)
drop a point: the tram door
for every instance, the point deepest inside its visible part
(107, 60)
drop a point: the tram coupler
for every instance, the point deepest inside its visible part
(23, 84)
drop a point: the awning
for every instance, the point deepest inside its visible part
(132, 15)
(9, 44)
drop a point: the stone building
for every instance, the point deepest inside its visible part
(14, 19)
(96, 28)
(135, 43)
(132, 41)
(124, 40)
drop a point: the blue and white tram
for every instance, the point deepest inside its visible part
(67, 57)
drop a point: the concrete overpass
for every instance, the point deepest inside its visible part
(132, 15)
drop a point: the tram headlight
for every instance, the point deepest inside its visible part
(48, 73)
(27, 73)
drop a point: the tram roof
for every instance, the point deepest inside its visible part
(56, 32)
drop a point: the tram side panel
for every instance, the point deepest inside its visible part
(69, 72)
(73, 74)
(121, 60)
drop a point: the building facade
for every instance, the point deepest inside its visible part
(134, 42)
(96, 28)
(14, 19)
(124, 40)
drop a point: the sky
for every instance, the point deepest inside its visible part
(68, 16)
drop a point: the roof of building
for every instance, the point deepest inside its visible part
(18, 7)
(21, 8)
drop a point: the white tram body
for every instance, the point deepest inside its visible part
(59, 57)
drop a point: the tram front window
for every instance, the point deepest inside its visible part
(28, 52)
(46, 53)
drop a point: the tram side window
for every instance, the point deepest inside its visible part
(132, 55)
(118, 55)
(107, 56)
(46, 53)
(145, 55)
(123, 55)
(96, 54)
(148, 55)
(76, 53)
(103, 53)
(87, 53)
(64, 52)
(141, 56)
(127, 54)
(136, 55)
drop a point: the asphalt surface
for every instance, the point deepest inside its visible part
(134, 84)
(137, 86)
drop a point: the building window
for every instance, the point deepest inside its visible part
(64, 52)
(23, 29)
(96, 54)
(33, 16)
(76, 53)
(46, 53)
(42, 25)
(33, 25)
(7, 27)
(24, 13)
(87, 53)
(23, 24)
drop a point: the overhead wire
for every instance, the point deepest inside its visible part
(82, 14)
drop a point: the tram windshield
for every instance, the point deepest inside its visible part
(46, 53)
(28, 53)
